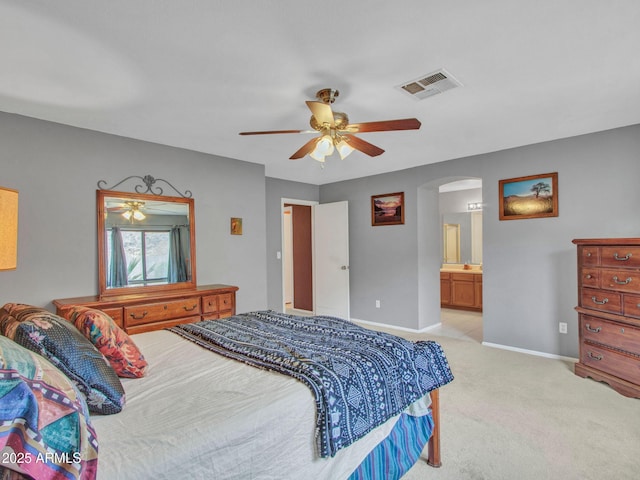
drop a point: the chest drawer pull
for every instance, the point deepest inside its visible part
(593, 330)
(595, 357)
(589, 276)
(139, 317)
(622, 259)
(597, 302)
(187, 309)
(625, 282)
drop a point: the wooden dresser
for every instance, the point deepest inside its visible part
(609, 312)
(154, 311)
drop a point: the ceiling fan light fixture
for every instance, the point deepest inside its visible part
(133, 210)
(344, 149)
(324, 148)
(138, 215)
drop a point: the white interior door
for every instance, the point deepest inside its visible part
(331, 259)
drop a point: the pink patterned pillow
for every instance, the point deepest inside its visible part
(113, 342)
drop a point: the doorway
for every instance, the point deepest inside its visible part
(315, 266)
(460, 207)
(297, 256)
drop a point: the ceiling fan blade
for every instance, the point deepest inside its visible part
(269, 132)
(385, 125)
(322, 112)
(305, 149)
(365, 147)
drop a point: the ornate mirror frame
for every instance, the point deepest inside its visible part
(103, 268)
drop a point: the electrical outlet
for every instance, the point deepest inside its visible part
(377, 303)
(562, 327)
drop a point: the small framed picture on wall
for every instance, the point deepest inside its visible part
(236, 226)
(387, 209)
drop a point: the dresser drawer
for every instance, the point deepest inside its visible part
(621, 256)
(609, 333)
(153, 312)
(590, 277)
(632, 305)
(210, 304)
(620, 280)
(225, 303)
(590, 255)
(622, 366)
(218, 306)
(148, 327)
(116, 315)
(604, 300)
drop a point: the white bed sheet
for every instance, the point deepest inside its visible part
(199, 415)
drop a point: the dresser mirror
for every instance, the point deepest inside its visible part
(146, 243)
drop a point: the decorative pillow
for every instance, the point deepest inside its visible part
(113, 342)
(45, 428)
(63, 345)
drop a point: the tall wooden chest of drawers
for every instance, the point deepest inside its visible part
(609, 312)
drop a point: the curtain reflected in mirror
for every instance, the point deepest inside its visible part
(146, 242)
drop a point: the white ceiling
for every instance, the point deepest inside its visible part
(194, 73)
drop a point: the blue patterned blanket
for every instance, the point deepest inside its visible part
(360, 378)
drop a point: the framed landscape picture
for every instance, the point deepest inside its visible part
(387, 209)
(534, 196)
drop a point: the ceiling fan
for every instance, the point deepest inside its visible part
(336, 133)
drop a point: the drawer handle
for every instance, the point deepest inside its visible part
(588, 254)
(195, 305)
(594, 356)
(622, 259)
(625, 282)
(136, 317)
(593, 330)
(598, 302)
(589, 277)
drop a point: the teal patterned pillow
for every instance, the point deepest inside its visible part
(65, 347)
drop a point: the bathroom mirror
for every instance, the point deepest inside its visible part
(462, 237)
(146, 243)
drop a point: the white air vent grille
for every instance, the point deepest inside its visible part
(430, 84)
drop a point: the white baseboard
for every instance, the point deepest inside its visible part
(486, 344)
(395, 327)
(529, 352)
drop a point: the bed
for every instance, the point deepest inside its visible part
(202, 414)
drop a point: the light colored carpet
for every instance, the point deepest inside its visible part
(514, 416)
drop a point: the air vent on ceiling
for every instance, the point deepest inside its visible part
(430, 84)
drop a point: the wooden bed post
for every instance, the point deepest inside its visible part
(434, 441)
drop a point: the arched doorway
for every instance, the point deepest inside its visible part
(459, 207)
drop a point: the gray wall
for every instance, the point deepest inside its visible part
(529, 265)
(56, 169)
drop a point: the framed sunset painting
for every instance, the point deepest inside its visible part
(387, 209)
